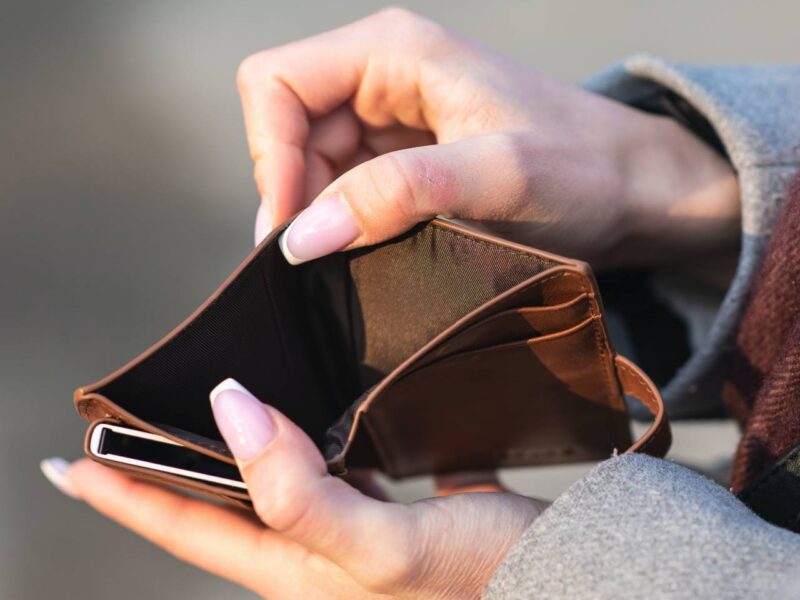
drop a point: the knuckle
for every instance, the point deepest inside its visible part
(283, 509)
(255, 68)
(512, 142)
(398, 14)
(394, 184)
(412, 187)
(516, 148)
(247, 72)
(432, 187)
(509, 147)
(406, 25)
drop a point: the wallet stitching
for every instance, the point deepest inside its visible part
(375, 427)
(508, 298)
(435, 353)
(649, 393)
(492, 244)
(607, 364)
(547, 279)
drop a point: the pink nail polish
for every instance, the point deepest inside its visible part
(55, 470)
(243, 420)
(324, 227)
(263, 221)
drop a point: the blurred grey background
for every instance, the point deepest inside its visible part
(126, 196)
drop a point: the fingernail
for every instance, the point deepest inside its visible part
(55, 469)
(242, 420)
(263, 221)
(324, 227)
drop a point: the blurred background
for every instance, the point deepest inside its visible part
(126, 196)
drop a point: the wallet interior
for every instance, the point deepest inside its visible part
(312, 339)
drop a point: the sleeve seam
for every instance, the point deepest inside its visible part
(770, 165)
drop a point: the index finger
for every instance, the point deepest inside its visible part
(215, 538)
(284, 88)
(279, 98)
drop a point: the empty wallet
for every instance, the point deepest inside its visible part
(442, 350)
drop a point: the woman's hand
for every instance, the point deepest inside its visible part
(317, 537)
(393, 119)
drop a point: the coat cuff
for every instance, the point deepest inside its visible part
(638, 526)
(753, 111)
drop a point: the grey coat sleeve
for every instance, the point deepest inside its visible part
(755, 110)
(640, 527)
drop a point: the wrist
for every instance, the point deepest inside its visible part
(680, 197)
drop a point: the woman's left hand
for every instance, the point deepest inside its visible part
(316, 536)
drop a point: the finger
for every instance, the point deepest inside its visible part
(212, 537)
(391, 139)
(336, 143)
(463, 482)
(281, 89)
(477, 178)
(277, 101)
(363, 154)
(332, 142)
(292, 491)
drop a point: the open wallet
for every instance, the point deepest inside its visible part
(442, 350)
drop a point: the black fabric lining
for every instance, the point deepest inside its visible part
(310, 340)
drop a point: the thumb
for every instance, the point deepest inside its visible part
(291, 489)
(379, 199)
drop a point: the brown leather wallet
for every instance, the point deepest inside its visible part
(441, 350)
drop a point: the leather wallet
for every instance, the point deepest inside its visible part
(444, 349)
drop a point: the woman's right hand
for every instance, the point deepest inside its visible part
(393, 119)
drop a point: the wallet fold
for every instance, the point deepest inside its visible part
(442, 350)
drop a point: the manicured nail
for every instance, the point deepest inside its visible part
(324, 227)
(55, 469)
(242, 419)
(263, 220)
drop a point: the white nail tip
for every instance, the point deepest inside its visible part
(284, 246)
(55, 470)
(263, 226)
(229, 384)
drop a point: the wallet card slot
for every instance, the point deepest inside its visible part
(560, 287)
(407, 291)
(515, 324)
(527, 402)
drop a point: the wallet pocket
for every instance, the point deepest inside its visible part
(548, 399)
(515, 324)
